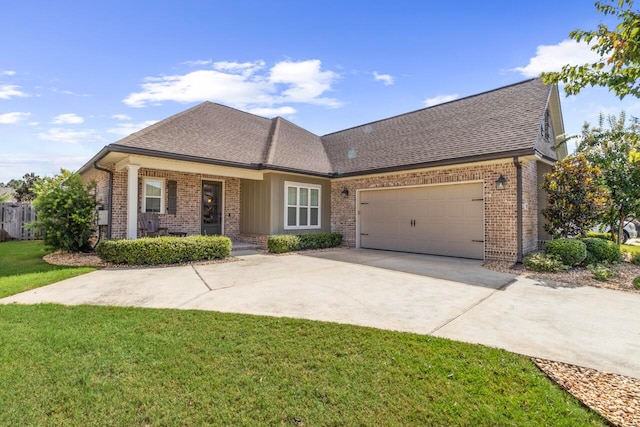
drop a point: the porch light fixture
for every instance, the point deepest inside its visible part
(500, 182)
(345, 192)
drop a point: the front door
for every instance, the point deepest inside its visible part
(211, 207)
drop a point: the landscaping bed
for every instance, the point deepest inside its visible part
(615, 397)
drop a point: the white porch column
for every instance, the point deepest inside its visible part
(132, 202)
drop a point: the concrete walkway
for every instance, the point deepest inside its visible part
(447, 297)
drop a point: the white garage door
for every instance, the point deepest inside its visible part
(440, 220)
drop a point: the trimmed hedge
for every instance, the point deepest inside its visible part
(281, 243)
(598, 235)
(163, 250)
(601, 251)
(570, 251)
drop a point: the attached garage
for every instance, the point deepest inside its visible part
(440, 220)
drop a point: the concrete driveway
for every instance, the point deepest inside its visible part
(446, 297)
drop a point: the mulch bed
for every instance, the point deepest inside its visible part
(91, 260)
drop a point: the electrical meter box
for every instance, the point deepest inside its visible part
(103, 217)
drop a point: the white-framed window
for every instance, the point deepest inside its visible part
(301, 205)
(153, 196)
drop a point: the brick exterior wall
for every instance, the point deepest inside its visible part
(499, 205)
(187, 217)
(500, 225)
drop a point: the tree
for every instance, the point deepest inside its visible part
(614, 150)
(65, 208)
(576, 196)
(619, 65)
(24, 188)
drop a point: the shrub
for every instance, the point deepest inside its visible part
(65, 210)
(636, 282)
(320, 240)
(163, 250)
(289, 242)
(280, 243)
(601, 251)
(635, 259)
(598, 235)
(570, 251)
(600, 272)
(544, 263)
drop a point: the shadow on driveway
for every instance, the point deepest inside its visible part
(468, 271)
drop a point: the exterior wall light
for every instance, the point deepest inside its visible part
(500, 182)
(345, 192)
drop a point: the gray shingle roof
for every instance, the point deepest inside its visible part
(499, 121)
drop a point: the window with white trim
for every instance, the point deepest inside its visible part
(302, 205)
(153, 197)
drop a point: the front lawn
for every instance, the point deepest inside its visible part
(78, 366)
(22, 267)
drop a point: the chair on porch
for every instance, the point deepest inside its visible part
(149, 225)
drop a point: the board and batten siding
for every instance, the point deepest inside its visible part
(255, 212)
(262, 204)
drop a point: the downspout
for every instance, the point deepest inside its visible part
(109, 196)
(516, 162)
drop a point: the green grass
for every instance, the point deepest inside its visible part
(631, 249)
(108, 366)
(22, 268)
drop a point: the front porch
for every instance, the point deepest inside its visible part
(188, 197)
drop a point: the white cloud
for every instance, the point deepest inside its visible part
(14, 117)
(197, 62)
(9, 91)
(244, 85)
(272, 112)
(387, 79)
(69, 136)
(125, 129)
(15, 165)
(244, 68)
(33, 123)
(306, 82)
(67, 119)
(440, 99)
(121, 117)
(67, 92)
(553, 57)
(7, 73)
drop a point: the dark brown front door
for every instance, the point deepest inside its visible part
(211, 207)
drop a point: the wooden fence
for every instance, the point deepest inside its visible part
(13, 217)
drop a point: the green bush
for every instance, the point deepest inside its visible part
(635, 259)
(320, 240)
(570, 251)
(598, 235)
(164, 250)
(601, 251)
(289, 242)
(65, 210)
(600, 272)
(280, 243)
(636, 282)
(544, 263)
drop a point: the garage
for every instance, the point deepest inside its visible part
(439, 220)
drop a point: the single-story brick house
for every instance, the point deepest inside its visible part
(457, 179)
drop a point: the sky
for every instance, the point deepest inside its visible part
(77, 75)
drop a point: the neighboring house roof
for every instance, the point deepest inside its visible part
(8, 190)
(498, 123)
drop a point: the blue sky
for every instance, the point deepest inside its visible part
(76, 76)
